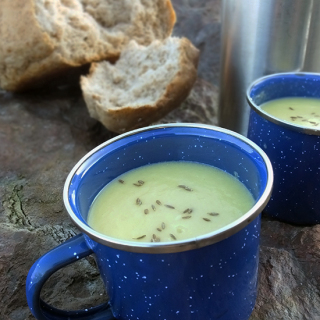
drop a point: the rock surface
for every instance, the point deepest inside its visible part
(288, 272)
(44, 133)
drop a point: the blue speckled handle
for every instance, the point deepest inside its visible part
(68, 252)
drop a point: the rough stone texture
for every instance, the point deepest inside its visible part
(44, 133)
(199, 20)
(289, 274)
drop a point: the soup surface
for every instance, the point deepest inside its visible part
(298, 111)
(168, 201)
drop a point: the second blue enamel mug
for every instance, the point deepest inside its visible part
(213, 276)
(294, 150)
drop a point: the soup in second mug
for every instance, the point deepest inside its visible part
(298, 111)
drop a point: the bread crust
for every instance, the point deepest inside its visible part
(125, 118)
(30, 56)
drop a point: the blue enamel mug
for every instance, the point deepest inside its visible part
(213, 276)
(294, 150)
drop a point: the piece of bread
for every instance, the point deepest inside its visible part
(41, 38)
(144, 85)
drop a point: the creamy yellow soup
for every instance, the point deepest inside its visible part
(298, 111)
(168, 201)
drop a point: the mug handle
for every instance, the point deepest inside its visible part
(66, 253)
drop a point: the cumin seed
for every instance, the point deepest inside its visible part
(213, 214)
(121, 181)
(146, 211)
(141, 237)
(184, 187)
(186, 217)
(172, 236)
(169, 206)
(206, 219)
(153, 208)
(163, 226)
(158, 202)
(138, 202)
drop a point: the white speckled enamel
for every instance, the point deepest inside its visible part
(217, 281)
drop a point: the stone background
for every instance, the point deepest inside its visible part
(45, 132)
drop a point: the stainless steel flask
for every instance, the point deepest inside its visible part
(261, 37)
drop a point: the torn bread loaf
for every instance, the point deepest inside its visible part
(143, 86)
(40, 38)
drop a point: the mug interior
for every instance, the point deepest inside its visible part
(284, 85)
(216, 147)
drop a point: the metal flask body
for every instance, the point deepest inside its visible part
(262, 37)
